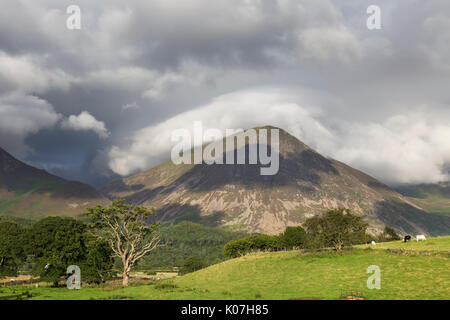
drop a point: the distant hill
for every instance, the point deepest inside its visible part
(306, 185)
(432, 197)
(29, 192)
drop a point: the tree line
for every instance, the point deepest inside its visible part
(52, 244)
(335, 229)
(121, 233)
(49, 246)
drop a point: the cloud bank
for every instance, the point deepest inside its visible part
(377, 100)
(396, 150)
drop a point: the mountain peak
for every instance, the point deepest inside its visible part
(288, 144)
(306, 184)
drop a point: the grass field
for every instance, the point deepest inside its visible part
(432, 244)
(295, 274)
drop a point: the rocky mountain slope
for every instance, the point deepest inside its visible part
(30, 192)
(238, 196)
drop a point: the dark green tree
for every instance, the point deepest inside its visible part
(389, 234)
(336, 228)
(98, 263)
(293, 237)
(260, 242)
(57, 243)
(192, 264)
(12, 254)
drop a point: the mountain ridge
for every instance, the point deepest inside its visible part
(31, 192)
(306, 185)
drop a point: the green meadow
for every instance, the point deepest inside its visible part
(420, 271)
(432, 244)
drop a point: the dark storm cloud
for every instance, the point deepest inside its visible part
(108, 94)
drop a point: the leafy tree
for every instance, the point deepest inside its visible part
(389, 234)
(98, 263)
(125, 230)
(192, 264)
(57, 243)
(12, 253)
(236, 248)
(336, 228)
(293, 237)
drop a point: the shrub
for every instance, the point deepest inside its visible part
(293, 237)
(192, 264)
(165, 286)
(388, 234)
(150, 273)
(251, 243)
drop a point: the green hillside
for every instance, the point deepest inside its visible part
(296, 274)
(433, 198)
(187, 239)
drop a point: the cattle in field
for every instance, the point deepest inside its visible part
(420, 237)
(373, 243)
(406, 238)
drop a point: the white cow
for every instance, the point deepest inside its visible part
(373, 243)
(420, 237)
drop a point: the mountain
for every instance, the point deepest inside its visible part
(433, 197)
(30, 192)
(239, 197)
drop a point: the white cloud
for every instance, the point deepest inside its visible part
(411, 148)
(160, 58)
(243, 109)
(27, 73)
(85, 122)
(21, 115)
(402, 149)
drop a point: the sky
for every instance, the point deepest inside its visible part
(100, 102)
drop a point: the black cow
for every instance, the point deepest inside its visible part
(407, 238)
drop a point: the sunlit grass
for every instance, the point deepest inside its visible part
(294, 274)
(432, 244)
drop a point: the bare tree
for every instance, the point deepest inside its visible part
(125, 228)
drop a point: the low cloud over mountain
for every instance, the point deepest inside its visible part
(100, 101)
